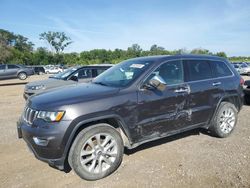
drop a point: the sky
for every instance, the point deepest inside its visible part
(216, 25)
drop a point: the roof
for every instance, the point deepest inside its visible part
(169, 57)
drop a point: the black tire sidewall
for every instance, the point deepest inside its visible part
(216, 125)
(82, 137)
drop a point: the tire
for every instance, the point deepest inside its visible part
(97, 161)
(22, 76)
(247, 99)
(224, 120)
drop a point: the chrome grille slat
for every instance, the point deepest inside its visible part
(29, 115)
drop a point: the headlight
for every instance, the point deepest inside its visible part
(50, 116)
(36, 87)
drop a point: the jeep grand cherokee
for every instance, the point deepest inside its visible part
(88, 125)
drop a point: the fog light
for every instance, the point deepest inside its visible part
(40, 142)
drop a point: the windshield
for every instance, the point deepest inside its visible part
(122, 74)
(64, 74)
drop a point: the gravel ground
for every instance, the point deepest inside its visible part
(192, 159)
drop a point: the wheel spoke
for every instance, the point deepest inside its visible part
(92, 166)
(87, 160)
(99, 167)
(106, 160)
(109, 146)
(90, 143)
(98, 139)
(106, 140)
(86, 152)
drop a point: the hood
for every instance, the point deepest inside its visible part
(48, 83)
(69, 95)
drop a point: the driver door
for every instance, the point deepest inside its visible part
(160, 112)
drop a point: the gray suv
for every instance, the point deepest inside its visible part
(15, 71)
(71, 76)
(139, 100)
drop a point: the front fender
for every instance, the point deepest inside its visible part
(76, 124)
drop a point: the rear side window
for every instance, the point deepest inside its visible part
(96, 72)
(12, 67)
(99, 71)
(220, 69)
(198, 69)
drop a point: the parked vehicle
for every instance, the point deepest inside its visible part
(247, 91)
(245, 68)
(38, 70)
(54, 70)
(70, 76)
(134, 102)
(15, 71)
(239, 69)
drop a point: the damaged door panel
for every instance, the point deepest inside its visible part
(171, 106)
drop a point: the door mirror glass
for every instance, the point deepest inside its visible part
(74, 78)
(157, 82)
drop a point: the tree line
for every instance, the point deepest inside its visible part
(17, 49)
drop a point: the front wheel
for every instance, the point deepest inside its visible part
(96, 152)
(22, 75)
(225, 120)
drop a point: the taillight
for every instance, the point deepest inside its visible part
(242, 81)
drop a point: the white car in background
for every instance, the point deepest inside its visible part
(54, 70)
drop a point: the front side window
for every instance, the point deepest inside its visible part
(84, 73)
(123, 74)
(220, 69)
(2, 67)
(198, 69)
(171, 72)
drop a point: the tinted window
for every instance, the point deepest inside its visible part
(171, 72)
(13, 67)
(198, 69)
(2, 67)
(99, 71)
(220, 69)
(84, 73)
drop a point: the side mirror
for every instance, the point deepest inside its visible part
(158, 83)
(74, 78)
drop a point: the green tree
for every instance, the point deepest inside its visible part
(221, 54)
(201, 51)
(134, 51)
(57, 41)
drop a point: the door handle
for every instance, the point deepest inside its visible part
(216, 83)
(183, 90)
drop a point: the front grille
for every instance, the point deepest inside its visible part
(29, 115)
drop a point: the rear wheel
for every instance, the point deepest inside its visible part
(225, 120)
(22, 75)
(96, 152)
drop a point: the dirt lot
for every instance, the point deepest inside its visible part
(193, 159)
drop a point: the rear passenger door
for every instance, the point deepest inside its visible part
(12, 70)
(202, 90)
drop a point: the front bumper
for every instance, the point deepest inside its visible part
(52, 152)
